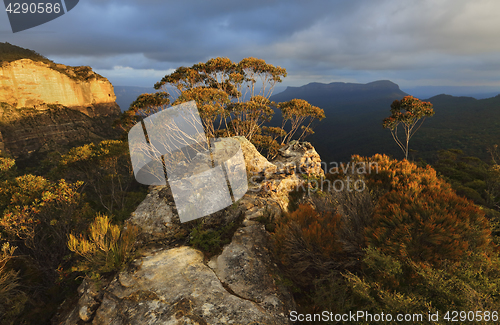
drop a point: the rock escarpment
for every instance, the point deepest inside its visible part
(44, 106)
(173, 283)
(27, 83)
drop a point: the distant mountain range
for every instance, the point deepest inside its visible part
(354, 114)
(477, 92)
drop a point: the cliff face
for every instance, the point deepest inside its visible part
(50, 106)
(26, 83)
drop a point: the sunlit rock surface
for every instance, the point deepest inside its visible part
(51, 107)
(171, 283)
(27, 83)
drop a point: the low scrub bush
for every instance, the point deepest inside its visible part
(408, 243)
(210, 240)
(107, 248)
(380, 287)
(431, 227)
(307, 243)
(12, 299)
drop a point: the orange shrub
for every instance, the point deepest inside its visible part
(400, 175)
(307, 243)
(421, 217)
(430, 227)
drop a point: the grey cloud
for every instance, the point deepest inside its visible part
(316, 40)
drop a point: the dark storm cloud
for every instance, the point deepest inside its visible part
(407, 41)
(176, 31)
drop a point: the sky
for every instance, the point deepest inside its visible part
(414, 43)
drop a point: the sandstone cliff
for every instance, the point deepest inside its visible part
(172, 283)
(27, 83)
(44, 106)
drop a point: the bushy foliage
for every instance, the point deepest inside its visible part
(469, 176)
(144, 105)
(308, 244)
(106, 172)
(107, 248)
(431, 227)
(233, 100)
(209, 239)
(300, 114)
(383, 285)
(423, 247)
(420, 213)
(493, 181)
(39, 213)
(31, 201)
(388, 174)
(407, 112)
(210, 102)
(12, 299)
(6, 167)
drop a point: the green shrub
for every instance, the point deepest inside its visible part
(211, 241)
(268, 219)
(106, 170)
(471, 286)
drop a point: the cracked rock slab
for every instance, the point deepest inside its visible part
(175, 287)
(245, 266)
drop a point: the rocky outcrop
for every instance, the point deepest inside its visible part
(56, 128)
(48, 106)
(27, 83)
(294, 164)
(172, 283)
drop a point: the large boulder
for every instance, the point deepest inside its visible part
(299, 157)
(171, 283)
(174, 286)
(245, 266)
(255, 162)
(295, 163)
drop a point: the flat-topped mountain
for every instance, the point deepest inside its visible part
(351, 110)
(335, 94)
(354, 114)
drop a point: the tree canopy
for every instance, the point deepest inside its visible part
(407, 112)
(233, 100)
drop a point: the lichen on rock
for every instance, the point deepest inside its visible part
(178, 284)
